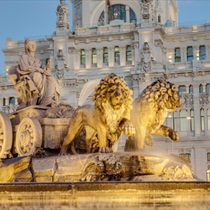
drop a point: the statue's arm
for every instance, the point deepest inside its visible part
(166, 131)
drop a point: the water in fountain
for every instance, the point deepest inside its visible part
(87, 89)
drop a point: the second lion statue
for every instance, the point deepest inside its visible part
(109, 113)
(149, 112)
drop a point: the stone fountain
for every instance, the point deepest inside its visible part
(46, 141)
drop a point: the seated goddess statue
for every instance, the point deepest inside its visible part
(33, 83)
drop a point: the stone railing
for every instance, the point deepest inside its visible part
(187, 100)
(108, 29)
(9, 108)
(188, 29)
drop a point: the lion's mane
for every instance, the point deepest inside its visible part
(109, 84)
(162, 94)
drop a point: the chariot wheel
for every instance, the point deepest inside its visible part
(5, 135)
(28, 137)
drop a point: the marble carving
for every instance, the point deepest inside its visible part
(33, 83)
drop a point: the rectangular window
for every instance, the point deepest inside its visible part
(187, 156)
(183, 121)
(105, 55)
(189, 54)
(94, 56)
(82, 58)
(208, 88)
(177, 55)
(128, 53)
(117, 54)
(202, 53)
(202, 119)
(182, 89)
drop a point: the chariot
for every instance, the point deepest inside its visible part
(23, 131)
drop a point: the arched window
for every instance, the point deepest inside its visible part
(208, 88)
(182, 89)
(132, 15)
(94, 56)
(117, 11)
(82, 57)
(105, 55)
(4, 101)
(202, 119)
(187, 156)
(117, 54)
(189, 54)
(183, 121)
(202, 53)
(201, 89)
(208, 119)
(191, 89)
(12, 100)
(175, 121)
(177, 55)
(159, 19)
(128, 53)
(192, 125)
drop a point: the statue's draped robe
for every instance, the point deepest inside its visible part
(43, 83)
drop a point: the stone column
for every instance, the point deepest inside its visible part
(196, 52)
(78, 61)
(99, 58)
(207, 51)
(196, 109)
(72, 97)
(16, 100)
(127, 14)
(171, 56)
(111, 56)
(183, 54)
(187, 89)
(205, 121)
(136, 47)
(189, 121)
(204, 87)
(72, 58)
(122, 55)
(1, 103)
(88, 59)
(6, 101)
(133, 56)
(199, 163)
(135, 87)
(178, 121)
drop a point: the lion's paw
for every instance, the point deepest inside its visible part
(173, 135)
(105, 150)
(129, 129)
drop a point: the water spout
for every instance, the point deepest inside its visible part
(87, 89)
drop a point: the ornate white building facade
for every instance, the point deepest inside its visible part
(140, 41)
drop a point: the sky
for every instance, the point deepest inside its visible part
(34, 18)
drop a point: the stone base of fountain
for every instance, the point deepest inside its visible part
(129, 166)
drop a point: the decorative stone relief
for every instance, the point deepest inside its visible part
(60, 65)
(204, 98)
(146, 58)
(145, 8)
(187, 100)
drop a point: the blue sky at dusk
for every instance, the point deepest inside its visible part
(28, 18)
